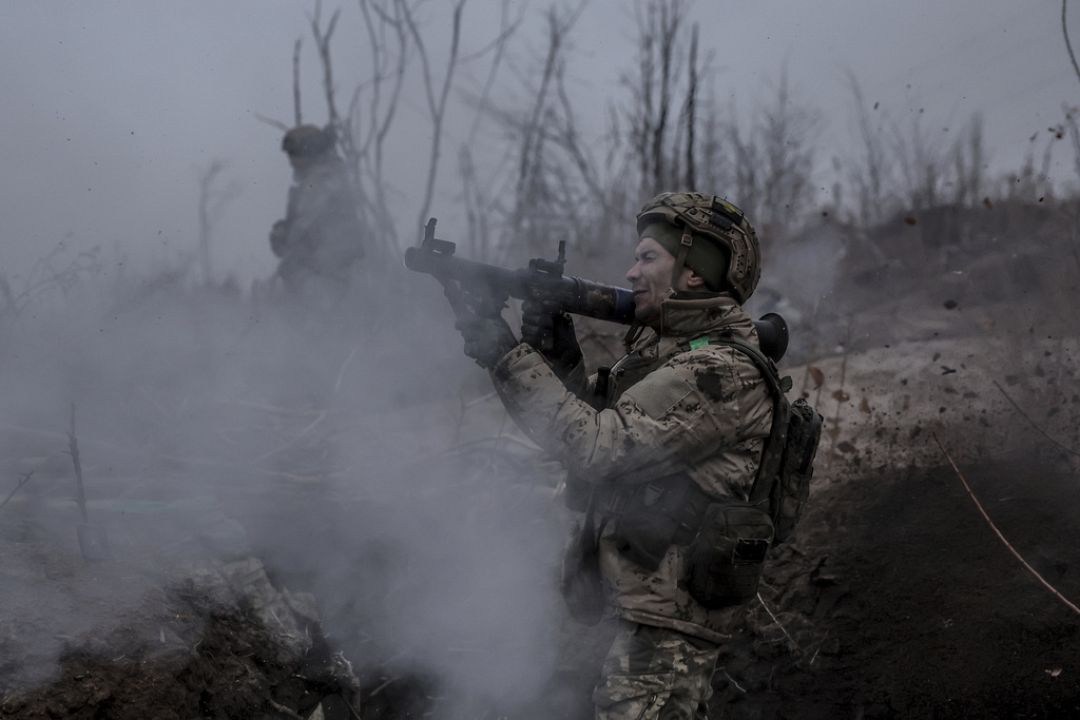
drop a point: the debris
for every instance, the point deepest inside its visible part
(287, 712)
(794, 645)
(739, 687)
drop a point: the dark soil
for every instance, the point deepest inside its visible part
(911, 607)
(187, 659)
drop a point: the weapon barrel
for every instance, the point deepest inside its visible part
(575, 295)
(593, 299)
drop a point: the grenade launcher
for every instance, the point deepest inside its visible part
(544, 280)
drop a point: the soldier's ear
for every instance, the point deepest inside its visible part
(694, 281)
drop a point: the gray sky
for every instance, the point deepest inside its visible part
(111, 108)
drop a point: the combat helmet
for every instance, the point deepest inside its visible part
(307, 140)
(712, 219)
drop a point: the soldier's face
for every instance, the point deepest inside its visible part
(650, 278)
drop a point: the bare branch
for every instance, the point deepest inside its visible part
(322, 42)
(211, 202)
(531, 138)
(272, 122)
(436, 107)
(506, 30)
(869, 179)
(1068, 45)
(73, 450)
(18, 486)
(569, 139)
(399, 81)
(298, 115)
(691, 100)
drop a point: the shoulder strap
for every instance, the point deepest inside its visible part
(774, 445)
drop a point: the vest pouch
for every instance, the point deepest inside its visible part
(651, 519)
(725, 559)
(577, 493)
(580, 583)
(792, 490)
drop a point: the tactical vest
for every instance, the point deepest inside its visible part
(727, 539)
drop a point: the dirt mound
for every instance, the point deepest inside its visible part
(899, 601)
(195, 652)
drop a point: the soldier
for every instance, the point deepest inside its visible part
(661, 450)
(319, 240)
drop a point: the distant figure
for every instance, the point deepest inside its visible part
(319, 240)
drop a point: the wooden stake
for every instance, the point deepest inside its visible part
(73, 450)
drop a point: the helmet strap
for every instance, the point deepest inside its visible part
(685, 244)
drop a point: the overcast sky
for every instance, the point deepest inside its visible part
(111, 108)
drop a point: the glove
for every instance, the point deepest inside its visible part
(487, 338)
(551, 331)
(278, 238)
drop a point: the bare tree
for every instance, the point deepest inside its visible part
(542, 201)
(868, 171)
(969, 165)
(298, 114)
(479, 198)
(394, 35)
(436, 103)
(786, 133)
(212, 203)
(57, 272)
(652, 91)
(323, 36)
(690, 108)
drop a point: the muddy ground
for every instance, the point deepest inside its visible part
(912, 607)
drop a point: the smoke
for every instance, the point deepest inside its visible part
(344, 447)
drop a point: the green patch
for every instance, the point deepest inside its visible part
(698, 343)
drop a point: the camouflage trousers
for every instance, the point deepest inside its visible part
(653, 673)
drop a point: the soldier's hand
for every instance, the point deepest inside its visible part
(487, 338)
(551, 331)
(278, 238)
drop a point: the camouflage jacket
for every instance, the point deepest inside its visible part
(702, 411)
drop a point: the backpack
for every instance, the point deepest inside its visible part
(787, 463)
